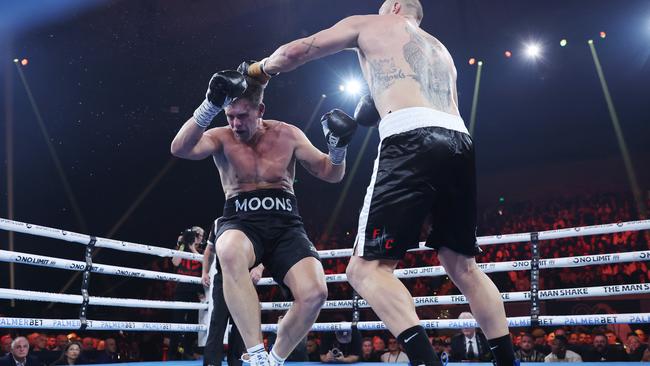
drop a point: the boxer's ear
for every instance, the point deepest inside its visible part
(260, 109)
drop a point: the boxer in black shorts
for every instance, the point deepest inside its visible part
(425, 166)
(256, 161)
(270, 220)
(421, 172)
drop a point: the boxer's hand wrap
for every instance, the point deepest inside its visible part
(255, 70)
(338, 128)
(224, 87)
(366, 113)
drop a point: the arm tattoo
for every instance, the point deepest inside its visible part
(429, 69)
(384, 73)
(310, 45)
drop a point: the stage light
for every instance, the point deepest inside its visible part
(603, 34)
(16, 60)
(563, 42)
(480, 63)
(24, 62)
(323, 96)
(508, 54)
(591, 41)
(353, 87)
(533, 50)
(472, 61)
(342, 87)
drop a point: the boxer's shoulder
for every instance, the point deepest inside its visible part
(282, 129)
(219, 133)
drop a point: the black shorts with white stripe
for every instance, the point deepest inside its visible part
(424, 172)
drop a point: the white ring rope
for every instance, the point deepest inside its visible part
(31, 229)
(523, 265)
(565, 293)
(514, 322)
(99, 325)
(524, 237)
(578, 261)
(11, 294)
(44, 261)
(17, 226)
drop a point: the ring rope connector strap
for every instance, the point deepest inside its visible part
(85, 283)
(355, 308)
(534, 279)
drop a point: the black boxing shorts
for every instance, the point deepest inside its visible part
(425, 167)
(270, 220)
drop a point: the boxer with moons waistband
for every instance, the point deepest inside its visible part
(425, 166)
(256, 161)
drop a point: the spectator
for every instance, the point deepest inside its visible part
(312, 350)
(635, 348)
(469, 345)
(5, 344)
(367, 352)
(18, 354)
(612, 339)
(438, 346)
(70, 355)
(110, 353)
(527, 351)
(447, 347)
(559, 352)
(394, 354)
(61, 341)
(341, 346)
(51, 344)
(40, 342)
(88, 351)
(602, 351)
(641, 334)
(539, 335)
(378, 345)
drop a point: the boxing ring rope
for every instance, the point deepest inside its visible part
(44, 261)
(493, 267)
(514, 322)
(520, 321)
(555, 294)
(26, 323)
(578, 261)
(6, 293)
(32, 229)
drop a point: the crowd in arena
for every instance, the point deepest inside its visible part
(576, 343)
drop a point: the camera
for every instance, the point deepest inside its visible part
(188, 236)
(336, 352)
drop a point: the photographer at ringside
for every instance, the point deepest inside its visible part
(190, 240)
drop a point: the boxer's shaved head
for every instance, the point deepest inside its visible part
(406, 7)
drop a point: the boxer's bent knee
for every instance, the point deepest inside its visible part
(312, 297)
(234, 250)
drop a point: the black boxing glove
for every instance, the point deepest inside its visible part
(338, 128)
(366, 113)
(255, 70)
(224, 87)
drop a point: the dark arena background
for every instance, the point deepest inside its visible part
(556, 96)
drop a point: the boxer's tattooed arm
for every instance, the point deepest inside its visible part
(429, 69)
(384, 73)
(310, 45)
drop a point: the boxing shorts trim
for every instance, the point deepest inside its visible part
(409, 119)
(261, 201)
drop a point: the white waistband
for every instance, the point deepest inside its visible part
(408, 119)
